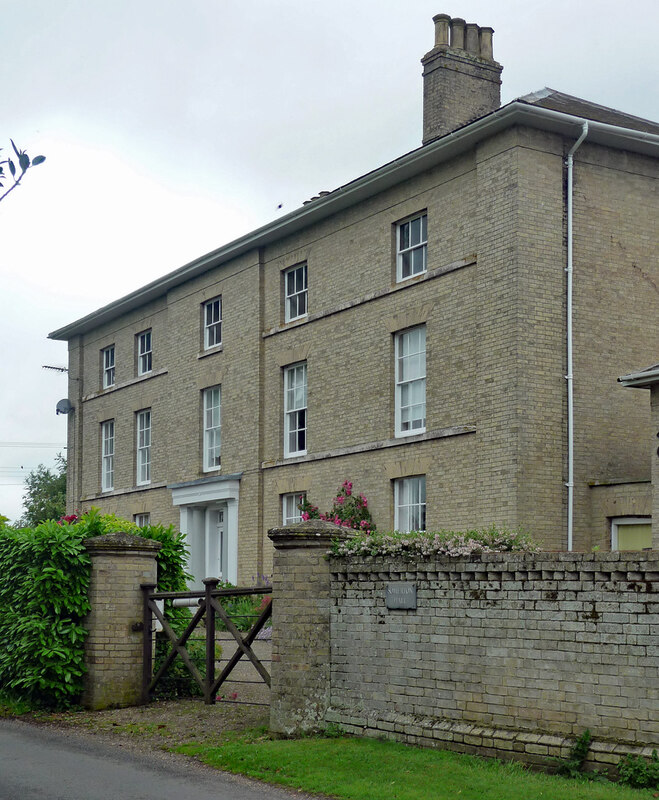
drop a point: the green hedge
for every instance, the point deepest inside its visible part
(44, 581)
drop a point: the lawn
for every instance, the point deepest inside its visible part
(369, 769)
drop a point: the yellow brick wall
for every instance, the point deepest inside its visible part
(493, 302)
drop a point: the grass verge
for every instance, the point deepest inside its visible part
(368, 769)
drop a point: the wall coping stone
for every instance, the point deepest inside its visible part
(308, 533)
(644, 560)
(121, 543)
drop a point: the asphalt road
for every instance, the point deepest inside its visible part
(41, 764)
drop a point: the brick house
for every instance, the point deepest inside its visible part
(411, 330)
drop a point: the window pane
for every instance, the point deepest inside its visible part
(107, 456)
(411, 381)
(144, 363)
(143, 447)
(295, 414)
(406, 262)
(418, 260)
(634, 537)
(404, 238)
(295, 290)
(212, 428)
(410, 500)
(411, 245)
(415, 231)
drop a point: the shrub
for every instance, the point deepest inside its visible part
(44, 577)
(428, 544)
(348, 510)
(44, 581)
(573, 766)
(177, 681)
(639, 773)
(243, 610)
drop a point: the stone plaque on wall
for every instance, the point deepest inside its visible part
(401, 595)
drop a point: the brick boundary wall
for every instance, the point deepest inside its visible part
(300, 679)
(113, 648)
(506, 655)
(654, 411)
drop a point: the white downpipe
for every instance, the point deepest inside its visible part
(569, 376)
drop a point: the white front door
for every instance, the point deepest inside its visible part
(215, 545)
(209, 522)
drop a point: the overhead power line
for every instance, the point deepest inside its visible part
(33, 444)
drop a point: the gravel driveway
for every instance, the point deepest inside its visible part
(165, 724)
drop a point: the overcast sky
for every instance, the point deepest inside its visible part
(171, 128)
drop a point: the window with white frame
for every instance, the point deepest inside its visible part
(410, 504)
(631, 533)
(213, 323)
(290, 512)
(107, 456)
(212, 428)
(107, 360)
(142, 519)
(410, 358)
(295, 410)
(295, 290)
(411, 247)
(144, 353)
(143, 450)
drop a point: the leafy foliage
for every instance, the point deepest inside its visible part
(429, 544)
(243, 610)
(45, 495)
(44, 581)
(44, 577)
(573, 765)
(640, 773)
(177, 681)
(17, 167)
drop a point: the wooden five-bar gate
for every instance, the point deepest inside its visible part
(209, 607)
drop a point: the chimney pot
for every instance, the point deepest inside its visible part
(461, 79)
(486, 44)
(458, 33)
(472, 45)
(442, 22)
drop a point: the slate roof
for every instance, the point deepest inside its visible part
(566, 103)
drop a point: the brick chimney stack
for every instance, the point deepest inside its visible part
(461, 79)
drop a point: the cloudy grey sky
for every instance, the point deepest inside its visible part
(171, 128)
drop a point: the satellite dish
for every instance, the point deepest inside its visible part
(64, 407)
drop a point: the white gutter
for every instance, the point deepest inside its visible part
(570, 377)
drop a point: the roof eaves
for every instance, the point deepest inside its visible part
(644, 379)
(380, 179)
